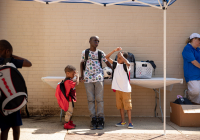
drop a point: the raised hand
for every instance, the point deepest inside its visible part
(81, 79)
(77, 77)
(118, 49)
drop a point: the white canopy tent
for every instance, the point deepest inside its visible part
(159, 4)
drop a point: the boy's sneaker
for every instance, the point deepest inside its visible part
(71, 123)
(68, 126)
(120, 124)
(130, 126)
(100, 123)
(93, 125)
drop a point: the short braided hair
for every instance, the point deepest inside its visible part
(69, 68)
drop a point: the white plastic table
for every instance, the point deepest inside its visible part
(155, 83)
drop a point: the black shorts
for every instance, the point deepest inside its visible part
(11, 120)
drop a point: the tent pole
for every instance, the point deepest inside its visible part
(164, 43)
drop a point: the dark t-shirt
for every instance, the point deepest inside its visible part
(13, 119)
(18, 63)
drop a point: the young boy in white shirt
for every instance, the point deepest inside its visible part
(121, 84)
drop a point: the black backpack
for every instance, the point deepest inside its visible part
(125, 69)
(86, 57)
(130, 58)
(152, 64)
(183, 101)
(13, 91)
(62, 88)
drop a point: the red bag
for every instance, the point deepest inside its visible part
(65, 93)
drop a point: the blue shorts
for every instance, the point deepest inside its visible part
(11, 120)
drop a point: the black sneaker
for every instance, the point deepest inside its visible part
(100, 123)
(93, 125)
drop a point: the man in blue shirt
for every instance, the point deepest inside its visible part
(13, 120)
(191, 66)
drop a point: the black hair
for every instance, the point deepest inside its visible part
(69, 68)
(93, 37)
(190, 40)
(125, 54)
(4, 44)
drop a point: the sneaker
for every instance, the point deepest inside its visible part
(68, 126)
(93, 125)
(71, 123)
(100, 123)
(130, 126)
(120, 124)
(185, 93)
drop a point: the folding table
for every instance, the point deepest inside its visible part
(155, 83)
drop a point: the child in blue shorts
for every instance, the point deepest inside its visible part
(12, 120)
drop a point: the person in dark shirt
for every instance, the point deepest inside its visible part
(13, 120)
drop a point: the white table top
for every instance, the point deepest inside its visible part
(153, 83)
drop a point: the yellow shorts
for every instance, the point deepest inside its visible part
(123, 100)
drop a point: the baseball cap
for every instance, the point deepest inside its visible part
(194, 35)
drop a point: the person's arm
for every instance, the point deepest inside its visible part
(108, 55)
(188, 56)
(26, 63)
(124, 59)
(196, 63)
(77, 78)
(108, 64)
(105, 60)
(81, 78)
(81, 69)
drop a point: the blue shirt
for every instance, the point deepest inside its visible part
(191, 72)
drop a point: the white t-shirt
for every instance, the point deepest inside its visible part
(120, 80)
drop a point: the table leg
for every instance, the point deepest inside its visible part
(61, 113)
(158, 91)
(155, 102)
(160, 105)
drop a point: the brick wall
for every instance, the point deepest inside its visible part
(53, 36)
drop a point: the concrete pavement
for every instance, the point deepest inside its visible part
(145, 128)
